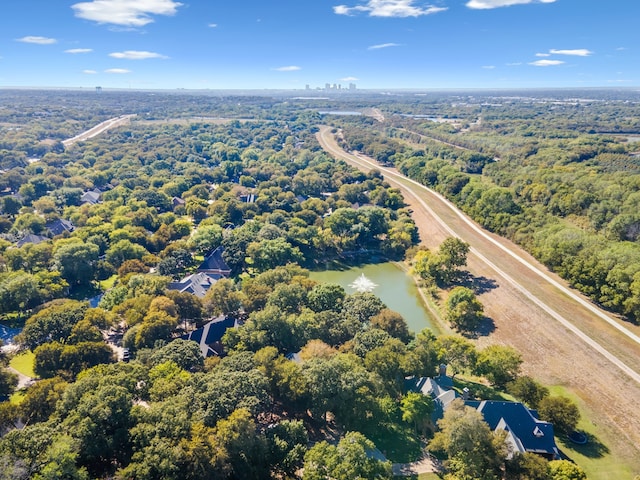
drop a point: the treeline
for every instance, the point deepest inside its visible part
(568, 198)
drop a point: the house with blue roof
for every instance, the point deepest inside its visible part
(212, 269)
(525, 431)
(208, 337)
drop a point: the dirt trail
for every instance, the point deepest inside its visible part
(563, 337)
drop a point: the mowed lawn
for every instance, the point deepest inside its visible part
(23, 363)
(594, 457)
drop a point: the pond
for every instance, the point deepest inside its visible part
(7, 333)
(394, 287)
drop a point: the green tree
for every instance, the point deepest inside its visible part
(348, 460)
(422, 355)
(561, 412)
(54, 322)
(416, 409)
(566, 470)
(527, 466)
(287, 443)
(77, 262)
(499, 364)
(8, 382)
(363, 306)
(473, 450)
(326, 296)
(99, 422)
(463, 310)
(456, 352)
(40, 399)
(269, 254)
(184, 353)
(527, 390)
(205, 239)
(223, 298)
(246, 449)
(453, 255)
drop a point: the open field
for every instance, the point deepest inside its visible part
(23, 363)
(564, 341)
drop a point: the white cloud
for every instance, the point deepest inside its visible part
(130, 13)
(487, 4)
(212, 25)
(349, 79)
(580, 52)
(514, 64)
(619, 49)
(389, 8)
(89, 72)
(79, 50)
(543, 54)
(290, 68)
(136, 55)
(37, 40)
(383, 45)
(118, 71)
(546, 63)
(488, 67)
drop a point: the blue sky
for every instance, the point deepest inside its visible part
(376, 44)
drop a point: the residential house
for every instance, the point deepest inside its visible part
(212, 269)
(31, 238)
(208, 337)
(196, 284)
(525, 431)
(91, 197)
(59, 227)
(177, 202)
(214, 263)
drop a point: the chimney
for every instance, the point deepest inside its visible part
(465, 394)
(443, 370)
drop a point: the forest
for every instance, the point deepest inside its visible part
(560, 178)
(312, 381)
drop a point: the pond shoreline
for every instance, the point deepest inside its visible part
(395, 287)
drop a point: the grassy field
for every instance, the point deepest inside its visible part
(23, 363)
(594, 457)
(108, 283)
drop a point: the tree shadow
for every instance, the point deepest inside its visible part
(479, 285)
(594, 448)
(487, 326)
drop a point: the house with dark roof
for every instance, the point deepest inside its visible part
(91, 197)
(31, 238)
(214, 263)
(59, 226)
(177, 202)
(208, 337)
(525, 431)
(197, 284)
(212, 269)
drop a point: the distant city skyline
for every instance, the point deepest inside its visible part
(374, 44)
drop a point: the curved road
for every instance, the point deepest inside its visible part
(98, 129)
(563, 337)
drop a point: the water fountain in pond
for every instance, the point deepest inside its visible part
(363, 284)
